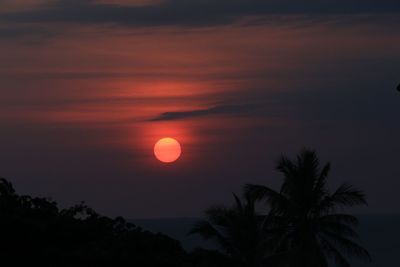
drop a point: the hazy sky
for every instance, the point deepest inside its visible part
(87, 87)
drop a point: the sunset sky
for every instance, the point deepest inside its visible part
(88, 87)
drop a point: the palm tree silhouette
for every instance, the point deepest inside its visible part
(238, 230)
(308, 229)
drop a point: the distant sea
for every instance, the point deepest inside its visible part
(380, 234)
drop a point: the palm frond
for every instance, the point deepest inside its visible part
(272, 197)
(321, 180)
(338, 229)
(205, 229)
(286, 166)
(348, 246)
(345, 196)
(238, 202)
(339, 259)
(218, 215)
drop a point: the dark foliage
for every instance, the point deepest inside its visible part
(306, 224)
(35, 232)
(239, 231)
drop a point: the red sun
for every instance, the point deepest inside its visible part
(167, 150)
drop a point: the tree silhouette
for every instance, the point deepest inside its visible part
(304, 227)
(307, 227)
(35, 232)
(238, 230)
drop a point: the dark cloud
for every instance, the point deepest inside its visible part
(216, 110)
(12, 31)
(194, 12)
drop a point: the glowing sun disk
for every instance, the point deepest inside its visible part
(167, 150)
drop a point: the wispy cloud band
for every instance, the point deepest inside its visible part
(240, 109)
(192, 12)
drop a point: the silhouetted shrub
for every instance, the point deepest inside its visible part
(35, 232)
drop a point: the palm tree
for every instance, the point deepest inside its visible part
(238, 230)
(308, 228)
